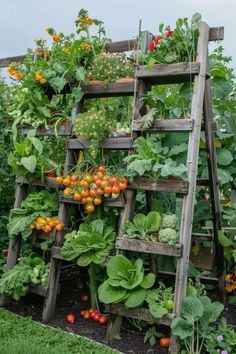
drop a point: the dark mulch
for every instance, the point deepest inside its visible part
(131, 341)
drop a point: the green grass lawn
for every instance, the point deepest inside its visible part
(20, 335)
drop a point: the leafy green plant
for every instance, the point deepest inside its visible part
(151, 335)
(152, 159)
(142, 225)
(179, 45)
(160, 300)
(16, 281)
(108, 67)
(36, 204)
(28, 159)
(92, 243)
(126, 282)
(195, 325)
(223, 338)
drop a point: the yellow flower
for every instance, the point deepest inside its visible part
(38, 76)
(42, 81)
(229, 288)
(19, 76)
(85, 46)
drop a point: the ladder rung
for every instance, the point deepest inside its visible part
(118, 88)
(139, 313)
(149, 247)
(167, 125)
(63, 130)
(168, 73)
(161, 185)
(109, 143)
(173, 274)
(202, 237)
(48, 182)
(118, 203)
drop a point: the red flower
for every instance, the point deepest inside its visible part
(151, 46)
(169, 33)
(5, 253)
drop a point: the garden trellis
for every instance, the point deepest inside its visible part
(201, 102)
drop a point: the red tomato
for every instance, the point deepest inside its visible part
(70, 318)
(113, 180)
(100, 192)
(93, 192)
(91, 311)
(115, 189)
(96, 317)
(86, 315)
(98, 182)
(107, 190)
(101, 169)
(165, 342)
(122, 186)
(103, 320)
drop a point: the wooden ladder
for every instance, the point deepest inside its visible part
(201, 104)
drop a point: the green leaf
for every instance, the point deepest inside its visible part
(118, 264)
(77, 93)
(135, 298)
(80, 74)
(29, 163)
(158, 311)
(37, 144)
(109, 294)
(224, 157)
(140, 166)
(153, 221)
(181, 328)
(148, 281)
(192, 309)
(234, 255)
(224, 176)
(223, 240)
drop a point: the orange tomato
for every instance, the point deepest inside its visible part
(67, 191)
(47, 228)
(165, 342)
(59, 180)
(115, 189)
(100, 192)
(74, 178)
(66, 182)
(108, 189)
(90, 208)
(93, 192)
(122, 186)
(97, 201)
(77, 196)
(84, 193)
(59, 227)
(101, 169)
(84, 200)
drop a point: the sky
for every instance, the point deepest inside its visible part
(23, 20)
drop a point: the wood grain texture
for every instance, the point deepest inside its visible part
(168, 73)
(167, 125)
(63, 130)
(161, 185)
(149, 247)
(48, 182)
(108, 143)
(139, 313)
(99, 89)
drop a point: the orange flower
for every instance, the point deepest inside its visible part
(56, 38)
(81, 25)
(38, 77)
(42, 81)
(89, 21)
(85, 46)
(19, 76)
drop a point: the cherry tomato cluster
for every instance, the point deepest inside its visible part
(46, 224)
(91, 187)
(95, 315)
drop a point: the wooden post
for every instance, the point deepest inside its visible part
(192, 164)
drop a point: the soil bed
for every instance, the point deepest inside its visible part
(69, 300)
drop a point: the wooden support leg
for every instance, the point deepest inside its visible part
(53, 285)
(113, 329)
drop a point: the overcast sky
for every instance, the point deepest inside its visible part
(23, 20)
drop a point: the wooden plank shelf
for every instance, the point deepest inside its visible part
(121, 46)
(168, 73)
(201, 277)
(167, 125)
(118, 203)
(108, 143)
(62, 130)
(56, 253)
(140, 314)
(161, 185)
(149, 247)
(98, 89)
(48, 182)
